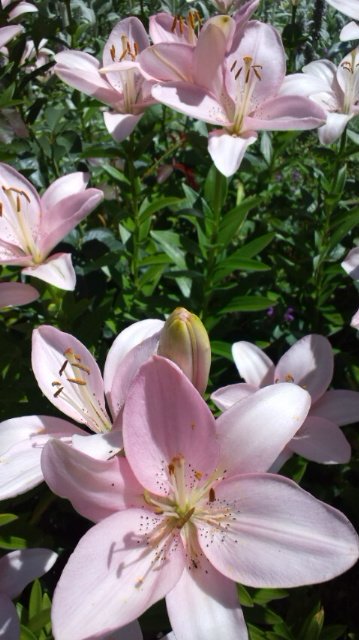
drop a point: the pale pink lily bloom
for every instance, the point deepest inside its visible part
(14, 294)
(351, 266)
(62, 365)
(308, 363)
(17, 570)
(209, 517)
(232, 79)
(19, 8)
(30, 226)
(118, 84)
(335, 89)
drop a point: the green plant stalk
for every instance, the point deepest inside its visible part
(213, 250)
(135, 214)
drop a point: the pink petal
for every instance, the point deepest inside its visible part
(165, 417)
(19, 568)
(227, 150)
(309, 363)
(334, 127)
(57, 270)
(322, 441)
(82, 402)
(24, 197)
(9, 621)
(125, 372)
(278, 535)
(254, 431)
(191, 100)
(21, 443)
(161, 30)
(167, 63)
(338, 405)
(226, 397)
(210, 603)
(351, 263)
(64, 205)
(101, 446)
(348, 7)
(349, 32)
(127, 573)
(284, 113)
(119, 125)
(8, 33)
(15, 294)
(132, 31)
(130, 337)
(81, 71)
(209, 54)
(95, 488)
(22, 7)
(355, 320)
(253, 365)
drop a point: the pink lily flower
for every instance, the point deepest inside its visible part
(335, 89)
(19, 8)
(30, 226)
(349, 8)
(230, 80)
(121, 86)
(209, 516)
(14, 294)
(351, 266)
(18, 569)
(69, 377)
(308, 363)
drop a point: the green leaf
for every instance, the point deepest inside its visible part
(254, 247)
(233, 220)
(170, 243)
(5, 518)
(312, 626)
(247, 303)
(262, 596)
(36, 623)
(26, 634)
(233, 263)
(215, 189)
(115, 173)
(220, 348)
(35, 603)
(149, 208)
(244, 597)
(333, 632)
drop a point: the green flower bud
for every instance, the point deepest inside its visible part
(184, 340)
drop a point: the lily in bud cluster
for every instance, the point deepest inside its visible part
(30, 226)
(198, 513)
(232, 78)
(349, 8)
(309, 363)
(335, 89)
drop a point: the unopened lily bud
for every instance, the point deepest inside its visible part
(184, 340)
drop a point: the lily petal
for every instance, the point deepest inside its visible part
(349, 32)
(309, 363)
(227, 151)
(9, 621)
(254, 431)
(119, 125)
(253, 364)
(322, 441)
(123, 562)
(348, 7)
(95, 488)
(211, 604)
(351, 263)
(56, 270)
(13, 294)
(8, 33)
(285, 536)
(338, 405)
(19, 568)
(226, 397)
(284, 113)
(162, 395)
(334, 127)
(81, 71)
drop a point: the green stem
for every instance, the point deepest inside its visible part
(212, 254)
(135, 213)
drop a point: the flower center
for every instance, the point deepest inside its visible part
(246, 76)
(192, 22)
(77, 393)
(18, 201)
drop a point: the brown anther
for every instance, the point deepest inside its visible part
(174, 24)
(256, 72)
(68, 352)
(171, 469)
(190, 19)
(212, 495)
(182, 521)
(136, 48)
(63, 368)
(198, 475)
(57, 393)
(233, 65)
(55, 383)
(180, 20)
(194, 564)
(238, 73)
(347, 65)
(113, 53)
(82, 367)
(1, 208)
(289, 378)
(18, 204)
(79, 381)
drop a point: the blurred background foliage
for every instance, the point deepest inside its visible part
(256, 256)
